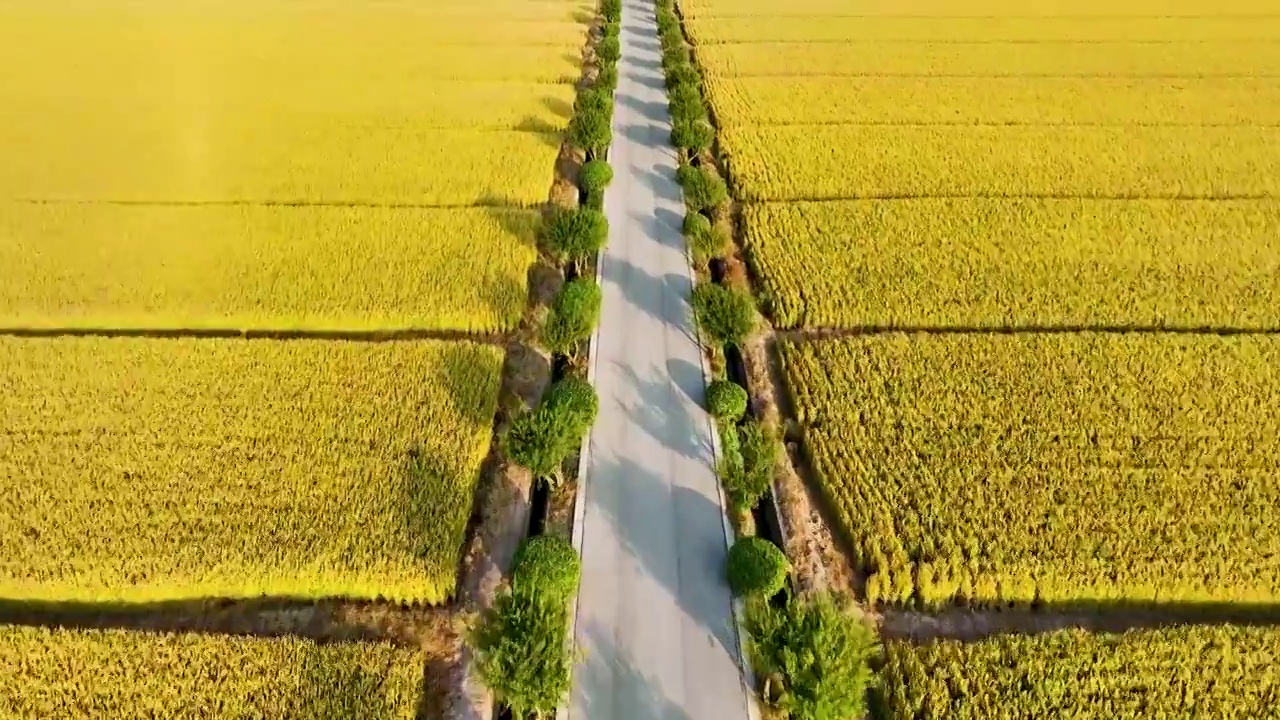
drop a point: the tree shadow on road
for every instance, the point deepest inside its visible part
(689, 564)
(634, 696)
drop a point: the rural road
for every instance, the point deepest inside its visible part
(654, 625)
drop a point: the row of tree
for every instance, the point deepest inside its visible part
(521, 642)
(813, 652)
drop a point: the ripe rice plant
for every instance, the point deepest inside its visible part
(995, 100)
(1076, 467)
(92, 674)
(1257, 58)
(139, 470)
(328, 268)
(840, 161)
(1024, 29)
(1025, 262)
(1178, 672)
(274, 166)
(950, 9)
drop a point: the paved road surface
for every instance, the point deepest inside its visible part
(654, 615)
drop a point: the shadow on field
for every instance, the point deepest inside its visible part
(1112, 616)
(559, 108)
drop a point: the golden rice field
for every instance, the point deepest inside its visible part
(255, 267)
(91, 674)
(138, 470)
(213, 128)
(1019, 262)
(1179, 672)
(933, 163)
(996, 468)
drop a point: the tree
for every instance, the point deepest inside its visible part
(573, 317)
(575, 234)
(756, 567)
(726, 315)
(594, 177)
(726, 400)
(541, 439)
(693, 137)
(816, 653)
(591, 130)
(547, 565)
(521, 653)
(703, 187)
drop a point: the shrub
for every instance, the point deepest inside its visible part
(592, 130)
(668, 22)
(703, 187)
(756, 567)
(759, 450)
(573, 317)
(542, 438)
(576, 234)
(547, 565)
(607, 79)
(675, 55)
(612, 10)
(818, 654)
(612, 29)
(595, 176)
(695, 224)
(521, 654)
(686, 104)
(670, 40)
(609, 50)
(594, 99)
(726, 400)
(683, 74)
(694, 137)
(712, 243)
(726, 315)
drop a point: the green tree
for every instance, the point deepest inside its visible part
(521, 653)
(726, 316)
(756, 567)
(815, 655)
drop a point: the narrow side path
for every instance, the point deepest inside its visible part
(654, 627)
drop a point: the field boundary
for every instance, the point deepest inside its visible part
(806, 334)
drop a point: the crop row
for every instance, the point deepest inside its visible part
(341, 163)
(831, 162)
(1019, 29)
(995, 100)
(140, 470)
(250, 266)
(1169, 60)
(1056, 467)
(974, 8)
(1023, 262)
(90, 674)
(1219, 672)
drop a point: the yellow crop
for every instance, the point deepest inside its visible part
(140, 470)
(974, 8)
(1065, 59)
(1220, 672)
(1058, 467)
(799, 163)
(1030, 262)
(1021, 29)
(95, 674)
(250, 266)
(995, 100)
